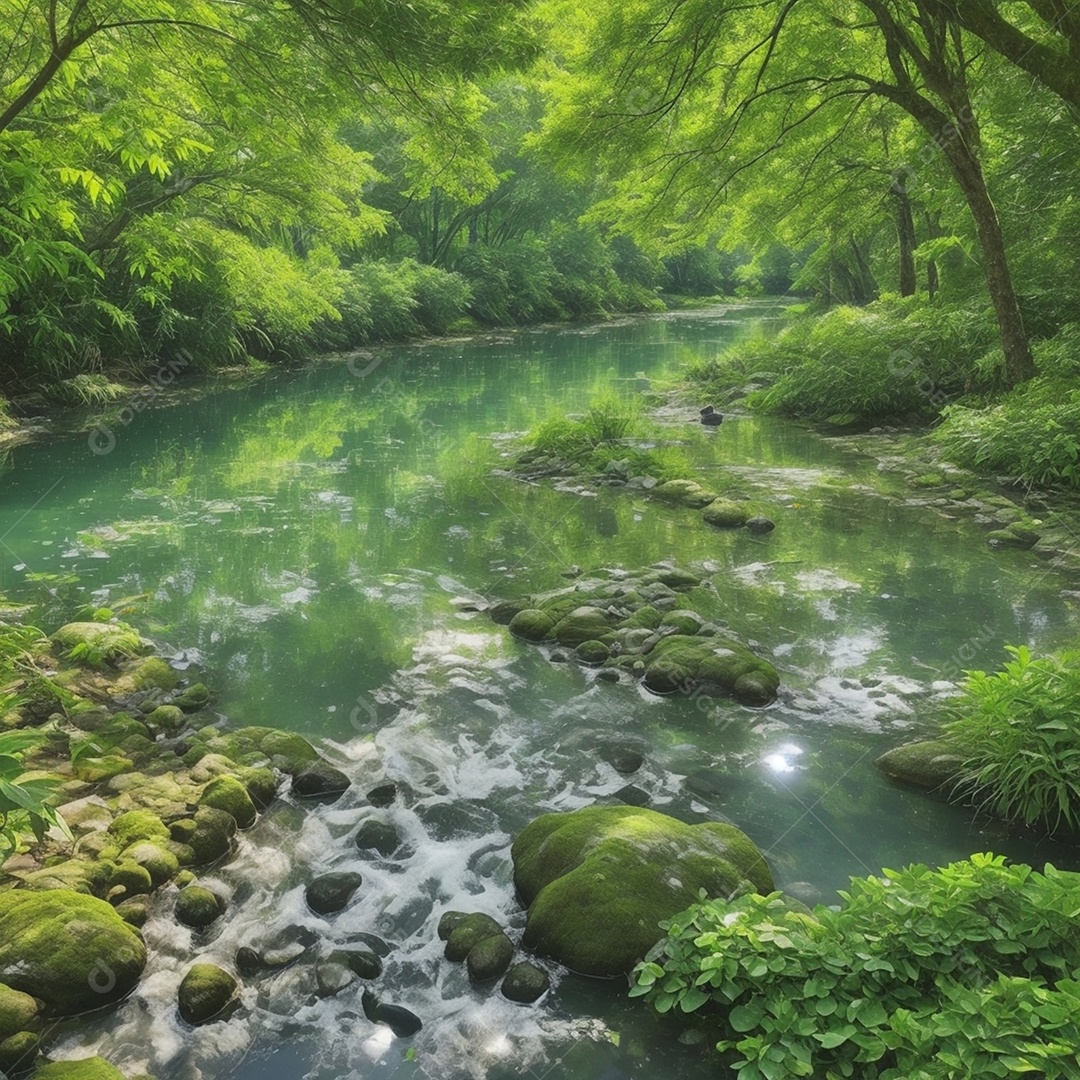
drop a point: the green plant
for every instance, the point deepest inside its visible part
(1019, 733)
(25, 796)
(917, 969)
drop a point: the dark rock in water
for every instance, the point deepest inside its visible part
(198, 907)
(707, 783)
(449, 921)
(598, 881)
(624, 759)
(320, 780)
(372, 942)
(685, 493)
(211, 835)
(285, 949)
(468, 933)
(592, 652)
(361, 962)
(525, 983)
(248, 961)
(632, 796)
(72, 951)
(532, 625)
(558, 657)
(400, 1021)
(490, 958)
(380, 836)
(332, 892)
(452, 820)
(760, 524)
(503, 611)
(383, 795)
(208, 993)
(927, 765)
(607, 675)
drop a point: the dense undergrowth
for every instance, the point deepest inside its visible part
(968, 970)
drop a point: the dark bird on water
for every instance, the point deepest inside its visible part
(710, 417)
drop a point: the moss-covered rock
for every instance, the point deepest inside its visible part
(153, 673)
(685, 493)
(18, 1012)
(928, 765)
(209, 835)
(135, 825)
(598, 881)
(533, 624)
(489, 959)
(683, 621)
(261, 785)
(131, 878)
(687, 664)
(90, 876)
(525, 983)
(645, 617)
(106, 642)
(157, 859)
(449, 921)
(168, 719)
(592, 652)
(760, 525)
(194, 698)
(585, 623)
(228, 794)
(1014, 536)
(198, 907)
(207, 993)
(71, 951)
(725, 514)
(329, 893)
(94, 1068)
(468, 933)
(18, 1051)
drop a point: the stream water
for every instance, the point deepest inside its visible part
(311, 544)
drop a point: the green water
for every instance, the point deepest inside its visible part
(309, 542)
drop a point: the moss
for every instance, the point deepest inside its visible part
(646, 618)
(207, 993)
(598, 881)
(468, 933)
(167, 718)
(294, 750)
(685, 664)
(154, 674)
(95, 1068)
(228, 794)
(194, 698)
(212, 835)
(725, 514)
(685, 493)
(928, 765)
(134, 879)
(525, 982)
(490, 958)
(18, 1012)
(532, 624)
(585, 623)
(592, 652)
(17, 1052)
(93, 770)
(198, 907)
(683, 621)
(107, 642)
(72, 951)
(928, 480)
(160, 862)
(88, 876)
(136, 825)
(449, 921)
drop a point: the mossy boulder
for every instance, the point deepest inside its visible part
(592, 652)
(168, 719)
(153, 673)
(928, 765)
(685, 493)
(1014, 536)
(18, 1051)
(525, 983)
(209, 834)
(18, 1012)
(207, 993)
(683, 621)
(585, 623)
(228, 794)
(488, 959)
(71, 951)
(198, 907)
(726, 514)
(292, 750)
(89, 876)
(684, 664)
(135, 825)
(598, 881)
(261, 785)
(329, 893)
(468, 933)
(94, 1068)
(533, 624)
(131, 878)
(157, 859)
(195, 697)
(108, 641)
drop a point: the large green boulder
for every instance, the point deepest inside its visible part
(684, 664)
(532, 624)
(18, 1012)
(585, 623)
(685, 493)
(932, 764)
(598, 881)
(228, 794)
(726, 514)
(207, 993)
(70, 950)
(95, 1068)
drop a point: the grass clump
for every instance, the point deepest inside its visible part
(1019, 732)
(920, 974)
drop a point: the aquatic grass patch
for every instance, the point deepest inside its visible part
(1018, 730)
(966, 970)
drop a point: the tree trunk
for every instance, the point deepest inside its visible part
(933, 280)
(905, 233)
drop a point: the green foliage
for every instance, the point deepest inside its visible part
(123, 640)
(25, 796)
(890, 359)
(963, 971)
(1019, 733)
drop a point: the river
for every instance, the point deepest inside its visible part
(313, 545)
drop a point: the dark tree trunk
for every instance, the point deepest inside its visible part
(905, 232)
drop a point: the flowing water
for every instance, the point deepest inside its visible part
(314, 543)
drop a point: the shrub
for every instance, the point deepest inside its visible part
(963, 971)
(1019, 732)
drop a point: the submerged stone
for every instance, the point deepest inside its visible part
(685, 493)
(378, 836)
(207, 993)
(400, 1021)
(598, 881)
(468, 933)
(592, 652)
(760, 525)
(331, 892)
(198, 907)
(682, 664)
(72, 951)
(532, 624)
(489, 958)
(525, 983)
(932, 764)
(725, 514)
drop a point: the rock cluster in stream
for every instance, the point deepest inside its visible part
(152, 789)
(642, 624)
(488, 953)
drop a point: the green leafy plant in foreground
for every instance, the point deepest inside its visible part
(25, 795)
(1019, 732)
(964, 971)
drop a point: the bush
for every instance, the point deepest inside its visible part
(1019, 732)
(958, 972)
